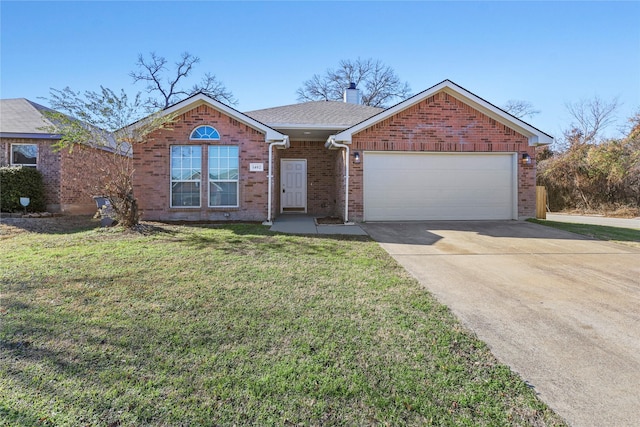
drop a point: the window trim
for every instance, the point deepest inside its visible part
(172, 181)
(12, 163)
(210, 181)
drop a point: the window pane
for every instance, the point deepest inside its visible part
(222, 160)
(223, 194)
(186, 165)
(223, 166)
(233, 162)
(185, 194)
(24, 154)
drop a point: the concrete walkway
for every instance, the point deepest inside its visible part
(595, 220)
(560, 309)
(304, 224)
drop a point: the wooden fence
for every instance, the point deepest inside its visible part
(541, 202)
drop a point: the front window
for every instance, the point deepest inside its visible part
(186, 174)
(24, 154)
(223, 176)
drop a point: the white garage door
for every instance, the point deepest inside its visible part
(439, 186)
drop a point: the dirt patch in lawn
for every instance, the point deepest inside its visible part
(55, 225)
(329, 220)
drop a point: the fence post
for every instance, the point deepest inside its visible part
(541, 202)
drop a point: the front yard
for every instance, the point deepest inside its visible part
(235, 325)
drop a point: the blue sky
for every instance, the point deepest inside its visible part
(548, 53)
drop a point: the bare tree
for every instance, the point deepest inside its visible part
(590, 117)
(153, 71)
(101, 120)
(520, 109)
(378, 83)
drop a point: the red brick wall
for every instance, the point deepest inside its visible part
(70, 178)
(48, 165)
(4, 151)
(84, 173)
(442, 123)
(152, 169)
(321, 190)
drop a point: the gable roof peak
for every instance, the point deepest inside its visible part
(535, 136)
(200, 98)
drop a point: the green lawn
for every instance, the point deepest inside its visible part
(235, 325)
(626, 236)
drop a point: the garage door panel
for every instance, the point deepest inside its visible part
(428, 186)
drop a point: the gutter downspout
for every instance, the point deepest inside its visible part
(331, 143)
(284, 144)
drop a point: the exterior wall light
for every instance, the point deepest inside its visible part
(526, 159)
(356, 157)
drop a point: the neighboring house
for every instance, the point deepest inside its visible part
(444, 153)
(68, 176)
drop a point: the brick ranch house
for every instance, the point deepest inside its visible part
(444, 153)
(69, 177)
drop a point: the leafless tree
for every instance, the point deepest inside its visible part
(154, 70)
(102, 120)
(520, 109)
(378, 83)
(591, 117)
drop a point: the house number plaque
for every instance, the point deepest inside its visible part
(256, 167)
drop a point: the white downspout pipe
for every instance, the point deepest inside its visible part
(285, 144)
(333, 144)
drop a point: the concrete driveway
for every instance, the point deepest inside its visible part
(562, 310)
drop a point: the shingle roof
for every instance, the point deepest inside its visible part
(22, 116)
(315, 113)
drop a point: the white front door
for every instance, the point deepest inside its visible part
(293, 183)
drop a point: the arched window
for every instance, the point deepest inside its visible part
(205, 133)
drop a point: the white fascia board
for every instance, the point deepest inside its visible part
(535, 136)
(200, 99)
(299, 126)
(30, 135)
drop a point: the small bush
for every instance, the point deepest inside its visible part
(16, 182)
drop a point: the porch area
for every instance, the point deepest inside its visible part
(307, 224)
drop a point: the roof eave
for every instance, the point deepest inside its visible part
(200, 99)
(537, 140)
(22, 135)
(298, 126)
